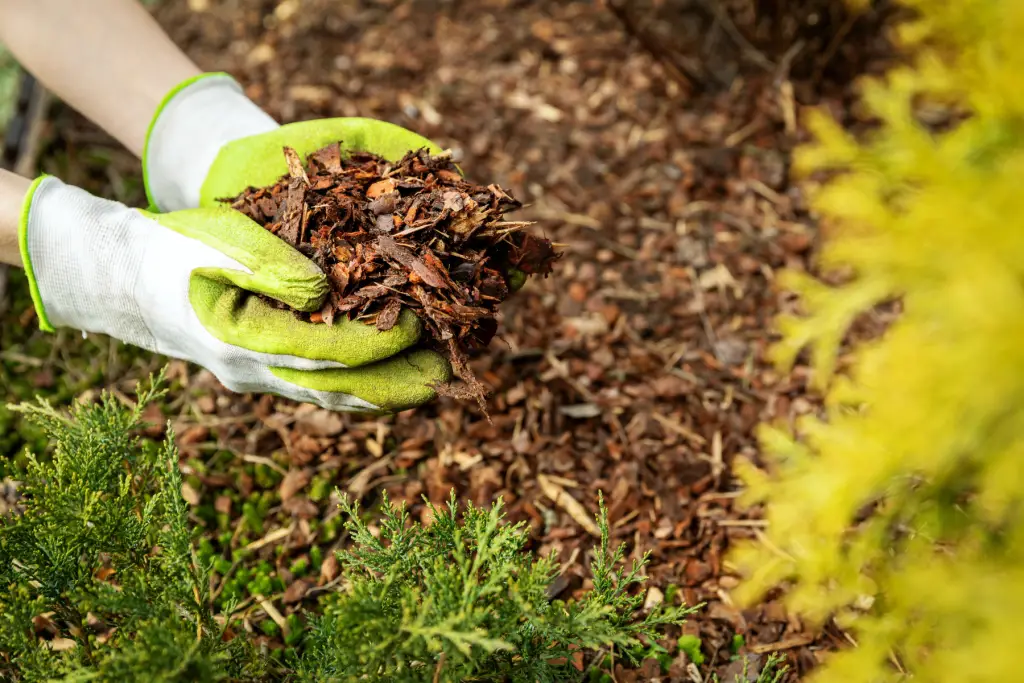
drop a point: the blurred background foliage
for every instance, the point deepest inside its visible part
(10, 74)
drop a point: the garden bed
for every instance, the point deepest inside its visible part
(654, 143)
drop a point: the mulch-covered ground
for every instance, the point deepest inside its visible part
(651, 139)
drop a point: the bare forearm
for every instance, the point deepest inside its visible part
(106, 58)
(12, 196)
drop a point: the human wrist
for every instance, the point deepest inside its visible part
(13, 189)
(195, 120)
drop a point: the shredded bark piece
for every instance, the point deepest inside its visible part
(389, 315)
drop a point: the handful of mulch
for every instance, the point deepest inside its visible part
(412, 234)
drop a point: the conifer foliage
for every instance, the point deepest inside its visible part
(101, 558)
(900, 509)
(461, 600)
(99, 580)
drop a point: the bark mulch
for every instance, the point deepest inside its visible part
(413, 234)
(652, 138)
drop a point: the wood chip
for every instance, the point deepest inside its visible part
(389, 316)
(272, 612)
(564, 500)
(273, 537)
(381, 187)
(343, 212)
(295, 169)
(790, 642)
(387, 246)
(59, 644)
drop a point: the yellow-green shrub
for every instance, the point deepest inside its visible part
(927, 421)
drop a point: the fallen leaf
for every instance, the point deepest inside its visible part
(320, 423)
(329, 568)
(295, 592)
(190, 495)
(294, 482)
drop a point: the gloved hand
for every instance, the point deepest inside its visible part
(207, 142)
(180, 284)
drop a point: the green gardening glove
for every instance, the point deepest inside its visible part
(209, 142)
(183, 284)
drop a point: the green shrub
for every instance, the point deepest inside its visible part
(772, 671)
(102, 546)
(901, 508)
(101, 581)
(460, 600)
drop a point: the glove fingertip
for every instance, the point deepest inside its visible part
(397, 384)
(305, 294)
(431, 366)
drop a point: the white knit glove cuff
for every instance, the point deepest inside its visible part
(195, 120)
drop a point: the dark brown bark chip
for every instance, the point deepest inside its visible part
(410, 234)
(295, 201)
(388, 317)
(372, 291)
(328, 159)
(387, 246)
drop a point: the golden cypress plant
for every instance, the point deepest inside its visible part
(899, 509)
